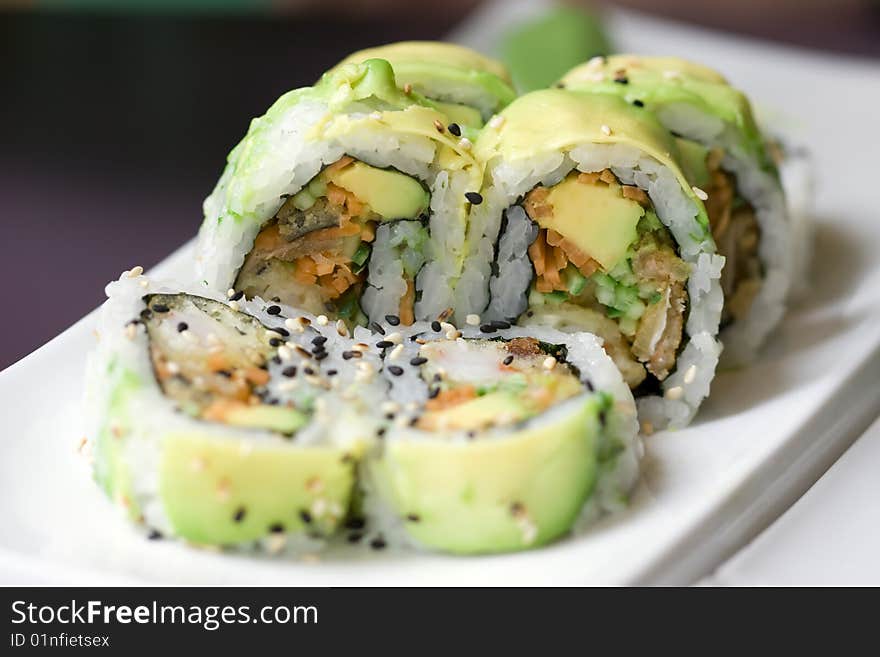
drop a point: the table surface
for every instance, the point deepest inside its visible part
(115, 127)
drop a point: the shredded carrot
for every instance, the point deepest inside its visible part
(368, 232)
(217, 361)
(268, 239)
(219, 409)
(451, 397)
(407, 301)
(257, 376)
(341, 163)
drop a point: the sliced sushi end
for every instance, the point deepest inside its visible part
(498, 494)
(226, 492)
(313, 254)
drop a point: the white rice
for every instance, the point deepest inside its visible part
(743, 338)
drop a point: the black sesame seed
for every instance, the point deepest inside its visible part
(239, 514)
(454, 129)
(589, 385)
(318, 340)
(146, 314)
(378, 543)
(275, 342)
(384, 344)
(308, 370)
(355, 537)
(226, 374)
(487, 328)
(622, 80)
(500, 324)
(238, 295)
(331, 372)
(182, 327)
(603, 417)
(305, 516)
(412, 517)
(377, 328)
(274, 310)
(154, 535)
(355, 522)
(433, 392)
(381, 431)
(282, 331)
(418, 360)
(394, 320)
(276, 528)
(474, 198)
(160, 308)
(348, 355)
(435, 326)
(321, 356)
(508, 360)
(396, 370)
(638, 103)
(289, 371)
(276, 360)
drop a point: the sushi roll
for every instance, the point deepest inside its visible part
(210, 419)
(588, 223)
(498, 441)
(463, 84)
(725, 156)
(346, 199)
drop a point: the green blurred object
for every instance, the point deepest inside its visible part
(539, 51)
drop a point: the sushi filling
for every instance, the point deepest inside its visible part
(479, 384)
(737, 236)
(213, 363)
(315, 252)
(603, 261)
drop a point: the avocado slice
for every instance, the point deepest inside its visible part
(390, 194)
(461, 114)
(693, 161)
(478, 413)
(595, 217)
(494, 494)
(262, 416)
(224, 491)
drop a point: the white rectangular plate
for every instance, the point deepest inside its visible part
(765, 435)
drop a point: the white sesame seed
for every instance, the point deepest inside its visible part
(549, 363)
(700, 193)
(341, 328)
(292, 324)
(311, 379)
(284, 352)
(606, 130)
(130, 331)
(389, 407)
(322, 320)
(465, 144)
(496, 121)
(233, 305)
(446, 327)
(360, 346)
(288, 386)
(674, 393)
(598, 60)
(690, 374)
(135, 271)
(452, 335)
(230, 293)
(472, 320)
(395, 337)
(275, 543)
(274, 334)
(144, 283)
(396, 352)
(172, 367)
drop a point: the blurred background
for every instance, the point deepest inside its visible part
(116, 115)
